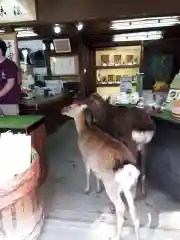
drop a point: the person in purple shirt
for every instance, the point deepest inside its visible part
(9, 83)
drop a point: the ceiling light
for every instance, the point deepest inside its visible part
(79, 26)
(144, 23)
(22, 29)
(141, 36)
(57, 28)
(2, 31)
(25, 32)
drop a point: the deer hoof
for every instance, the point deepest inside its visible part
(86, 191)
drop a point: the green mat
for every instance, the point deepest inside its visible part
(19, 122)
(166, 115)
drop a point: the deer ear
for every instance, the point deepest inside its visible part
(84, 106)
(97, 99)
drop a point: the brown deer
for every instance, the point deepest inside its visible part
(111, 161)
(132, 125)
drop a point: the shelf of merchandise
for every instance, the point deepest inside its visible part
(122, 68)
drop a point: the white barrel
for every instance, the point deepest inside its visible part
(21, 209)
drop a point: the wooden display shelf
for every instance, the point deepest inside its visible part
(118, 67)
(108, 84)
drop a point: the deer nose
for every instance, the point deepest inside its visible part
(65, 109)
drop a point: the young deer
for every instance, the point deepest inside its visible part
(132, 125)
(111, 161)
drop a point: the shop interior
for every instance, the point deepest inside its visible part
(63, 62)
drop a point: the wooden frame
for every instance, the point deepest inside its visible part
(29, 7)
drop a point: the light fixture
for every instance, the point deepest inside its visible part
(57, 28)
(44, 46)
(25, 32)
(52, 46)
(2, 31)
(79, 26)
(144, 23)
(140, 36)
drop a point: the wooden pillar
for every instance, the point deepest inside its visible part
(86, 63)
(47, 54)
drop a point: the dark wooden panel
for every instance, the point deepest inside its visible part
(70, 10)
(87, 70)
(159, 48)
(50, 107)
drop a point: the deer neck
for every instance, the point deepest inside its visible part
(80, 122)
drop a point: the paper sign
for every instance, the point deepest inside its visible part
(126, 84)
(174, 94)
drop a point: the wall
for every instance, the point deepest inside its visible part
(75, 10)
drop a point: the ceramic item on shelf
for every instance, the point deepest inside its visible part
(129, 59)
(148, 98)
(98, 76)
(113, 99)
(104, 79)
(118, 78)
(117, 60)
(140, 103)
(104, 60)
(123, 98)
(111, 78)
(134, 97)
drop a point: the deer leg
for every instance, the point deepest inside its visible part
(112, 191)
(143, 171)
(87, 189)
(98, 185)
(138, 186)
(132, 210)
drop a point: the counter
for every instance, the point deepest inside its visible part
(34, 126)
(163, 155)
(49, 107)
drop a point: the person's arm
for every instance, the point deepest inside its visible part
(11, 75)
(9, 85)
